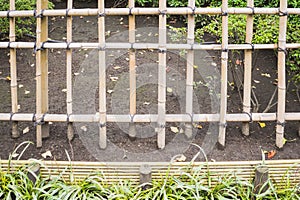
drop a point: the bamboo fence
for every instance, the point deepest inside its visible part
(41, 46)
(281, 172)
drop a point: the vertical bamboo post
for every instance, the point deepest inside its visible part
(41, 72)
(190, 69)
(162, 59)
(281, 74)
(224, 59)
(70, 132)
(261, 179)
(13, 70)
(248, 68)
(132, 71)
(145, 176)
(102, 75)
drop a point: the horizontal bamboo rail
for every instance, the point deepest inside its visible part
(144, 11)
(75, 45)
(147, 118)
(113, 172)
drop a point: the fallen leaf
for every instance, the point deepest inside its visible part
(170, 90)
(195, 67)
(32, 65)
(256, 81)
(182, 158)
(198, 126)
(271, 154)
(181, 130)
(26, 130)
(238, 62)
(262, 124)
(47, 154)
(114, 78)
(64, 90)
(27, 92)
(110, 91)
(20, 86)
(174, 129)
(8, 78)
(84, 128)
(146, 103)
(214, 64)
(138, 35)
(76, 73)
(266, 75)
(127, 59)
(117, 67)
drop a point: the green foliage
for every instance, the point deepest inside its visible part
(266, 27)
(24, 25)
(198, 184)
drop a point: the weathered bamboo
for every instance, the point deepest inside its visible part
(102, 75)
(148, 118)
(190, 70)
(248, 68)
(70, 132)
(281, 74)
(162, 59)
(42, 128)
(224, 60)
(13, 71)
(132, 71)
(74, 45)
(148, 11)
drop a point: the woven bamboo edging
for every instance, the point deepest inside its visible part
(114, 172)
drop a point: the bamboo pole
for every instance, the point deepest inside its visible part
(132, 71)
(190, 69)
(281, 74)
(248, 68)
(224, 60)
(149, 11)
(162, 59)
(102, 75)
(74, 45)
(42, 129)
(13, 70)
(70, 131)
(148, 118)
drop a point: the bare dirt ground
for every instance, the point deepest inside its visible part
(121, 148)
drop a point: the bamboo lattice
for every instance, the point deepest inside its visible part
(42, 44)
